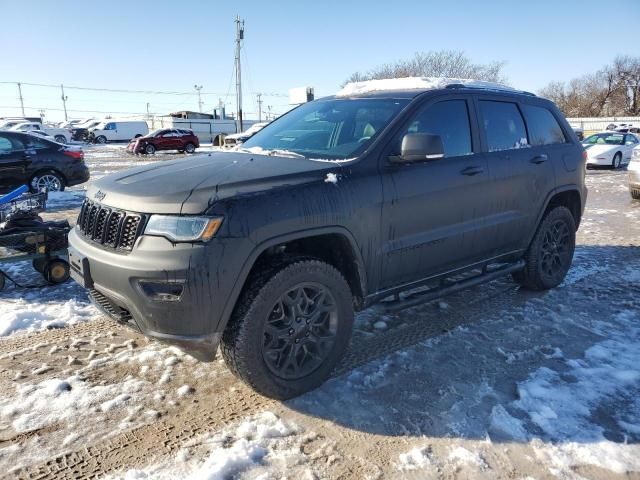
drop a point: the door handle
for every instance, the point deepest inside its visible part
(539, 159)
(470, 171)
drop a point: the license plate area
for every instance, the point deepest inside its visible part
(79, 268)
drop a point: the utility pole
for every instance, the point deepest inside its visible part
(21, 99)
(148, 114)
(198, 88)
(64, 102)
(259, 107)
(239, 38)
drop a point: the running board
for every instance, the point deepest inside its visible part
(444, 289)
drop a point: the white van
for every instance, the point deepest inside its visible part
(118, 130)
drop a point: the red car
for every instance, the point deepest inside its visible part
(179, 139)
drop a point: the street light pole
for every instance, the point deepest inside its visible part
(21, 99)
(239, 38)
(64, 102)
(259, 107)
(198, 88)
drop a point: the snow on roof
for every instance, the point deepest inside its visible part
(414, 83)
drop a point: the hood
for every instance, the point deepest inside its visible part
(595, 150)
(190, 185)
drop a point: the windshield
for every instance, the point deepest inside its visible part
(335, 129)
(604, 139)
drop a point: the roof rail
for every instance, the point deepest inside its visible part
(496, 88)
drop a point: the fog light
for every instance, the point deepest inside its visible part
(162, 291)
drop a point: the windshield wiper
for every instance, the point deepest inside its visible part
(284, 153)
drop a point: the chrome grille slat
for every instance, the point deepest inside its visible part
(112, 228)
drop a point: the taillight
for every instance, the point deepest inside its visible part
(75, 154)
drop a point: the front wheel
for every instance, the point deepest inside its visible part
(617, 160)
(60, 139)
(101, 139)
(290, 328)
(149, 149)
(549, 256)
(50, 181)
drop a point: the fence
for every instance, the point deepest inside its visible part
(597, 124)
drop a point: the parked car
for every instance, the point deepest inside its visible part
(634, 173)
(609, 148)
(238, 138)
(80, 132)
(61, 135)
(579, 131)
(180, 139)
(42, 134)
(339, 204)
(118, 130)
(28, 159)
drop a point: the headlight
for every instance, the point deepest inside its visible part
(183, 229)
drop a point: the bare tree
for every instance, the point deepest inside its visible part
(613, 90)
(443, 63)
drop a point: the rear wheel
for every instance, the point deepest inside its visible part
(189, 148)
(56, 271)
(290, 328)
(60, 139)
(50, 181)
(617, 160)
(549, 256)
(149, 149)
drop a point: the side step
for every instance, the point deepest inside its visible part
(444, 289)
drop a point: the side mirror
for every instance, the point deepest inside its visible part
(419, 147)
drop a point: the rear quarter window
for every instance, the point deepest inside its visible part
(503, 125)
(544, 129)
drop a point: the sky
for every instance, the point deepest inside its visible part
(160, 45)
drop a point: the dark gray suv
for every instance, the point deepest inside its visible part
(341, 203)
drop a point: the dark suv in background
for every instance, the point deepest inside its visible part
(339, 204)
(180, 139)
(26, 159)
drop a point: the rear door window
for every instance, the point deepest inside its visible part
(503, 125)
(544, 129)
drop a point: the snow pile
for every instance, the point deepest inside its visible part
(33, 314)
(331, 178)
(562, 403)
(52, 401)
(256, 442)
(412, 83)
(414, 459)
(462, 456)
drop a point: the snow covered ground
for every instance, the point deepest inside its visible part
(489, 383)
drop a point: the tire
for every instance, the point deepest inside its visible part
(263, 320)
(617, 160)
(149, 149)
(60, 139)
(101, 139)
(50, 180)
(189, 148)
(56, 271)
(549, 256)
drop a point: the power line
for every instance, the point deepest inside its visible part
(119, 90)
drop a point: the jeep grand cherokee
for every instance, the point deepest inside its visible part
(343, 202)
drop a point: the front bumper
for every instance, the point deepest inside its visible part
(116, 287)
(634, 175)
(604, 161)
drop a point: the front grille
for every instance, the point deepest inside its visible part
(110, 227)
